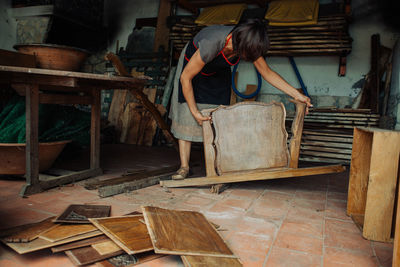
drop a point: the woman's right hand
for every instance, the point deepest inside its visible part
(200, 118)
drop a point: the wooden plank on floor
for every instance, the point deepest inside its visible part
(254, 176)
(126, 260)
(80, 213)
(183, 233)
(61, 231)
(40, 243)
(87, 255)
(80, 243)
(31, 232)
(202, 261)
(106, 247)
(126, 231)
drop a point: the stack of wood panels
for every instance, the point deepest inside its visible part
(328, 37)
(328, 134)
(125, 241)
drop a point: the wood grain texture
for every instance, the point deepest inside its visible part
(61, 231)
(382, 182)
(208, 143)
(80, 243)
(297, 131)
(202, 261)
(183, 233)
(359, 172)
(40, 243)
(127, 232)
(87, 255)
(250, 136)
(396, 242)
(126, 260)
(106, 247)
(81, 213)
(254, 176)
(31, 232)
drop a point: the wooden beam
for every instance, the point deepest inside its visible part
(161, 37)
(64, 99)
(254, 176)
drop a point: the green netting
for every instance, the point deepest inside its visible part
(56, 123)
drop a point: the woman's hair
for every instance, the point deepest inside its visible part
(250, 39)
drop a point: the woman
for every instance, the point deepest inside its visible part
(203, 78)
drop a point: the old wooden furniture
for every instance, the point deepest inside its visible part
(373, 179)
(37, 85)
(248, 141)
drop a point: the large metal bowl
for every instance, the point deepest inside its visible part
(12, 156)
(55, 57)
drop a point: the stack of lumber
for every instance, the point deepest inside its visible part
(328, 37)
(88, 235)
(328, 133)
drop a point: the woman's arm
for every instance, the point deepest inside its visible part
(277, 81)
(192, 68)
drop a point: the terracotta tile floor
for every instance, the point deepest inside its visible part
(286, 222)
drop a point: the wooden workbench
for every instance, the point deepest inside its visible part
(38, 86)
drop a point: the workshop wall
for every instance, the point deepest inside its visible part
(8, 26)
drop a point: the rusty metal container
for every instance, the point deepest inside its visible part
(55, 57)
(12, 156)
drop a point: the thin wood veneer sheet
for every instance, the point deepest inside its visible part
(204, 261)
(126, 231)
(40, 243)
(126, 260)
(61, 232)
(81, 213)
(31, 232)
(87, 255)
(106, 247)
(184, 233)
(80, 243)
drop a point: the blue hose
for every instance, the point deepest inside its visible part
(239, 93)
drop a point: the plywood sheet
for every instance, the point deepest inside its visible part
(250, 136)
(106, 247)
(81, 213)
(127, 232)
(183, 233)
(80, 243)
(40, 243)
(202, 261)
(61, 231)
(87, 255)
(31, 231)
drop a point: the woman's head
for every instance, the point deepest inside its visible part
(250, 39)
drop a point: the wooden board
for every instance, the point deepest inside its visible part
(254, 176)
(126, 231)
(106, 247)
(61, 231)
(87, 255)
(80, 243)
(81, 213)
(202, 261)
(40, 243)
(31, 232)
(183, 233)
(250, 136)
(359, 172)
(396, 242)
(383, 177)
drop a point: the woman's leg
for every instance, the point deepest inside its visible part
(184, 152)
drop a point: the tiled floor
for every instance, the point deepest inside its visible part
(286, 222)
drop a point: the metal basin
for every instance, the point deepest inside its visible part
(12, 156)
(55, 57)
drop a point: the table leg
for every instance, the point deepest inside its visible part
(32, 141)
(95, 130)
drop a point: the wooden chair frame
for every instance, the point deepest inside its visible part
(291, 170)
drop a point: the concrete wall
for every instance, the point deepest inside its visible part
(8, 26)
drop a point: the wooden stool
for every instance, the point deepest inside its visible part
(373, 179)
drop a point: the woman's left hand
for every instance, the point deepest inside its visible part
(306, 100)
